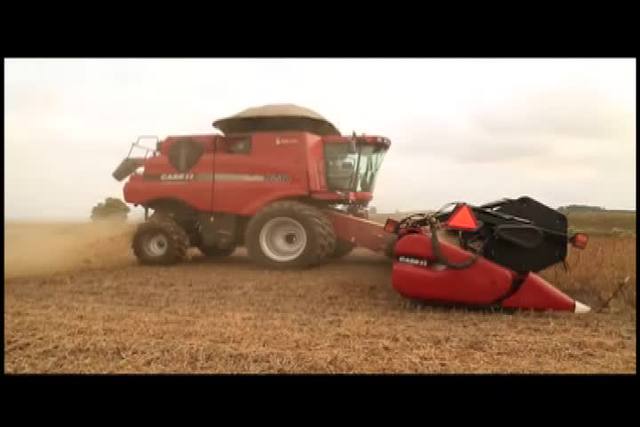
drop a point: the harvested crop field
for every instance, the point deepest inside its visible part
(77, 302)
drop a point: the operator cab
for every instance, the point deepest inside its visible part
(352, 163)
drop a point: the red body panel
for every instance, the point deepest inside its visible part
(282, 154)
(231, 182)
(280, 165)
(482, 283)
(362, 232)
(197, 193)
(538, 294)
(315, 165)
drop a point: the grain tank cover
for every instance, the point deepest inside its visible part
(276, 117)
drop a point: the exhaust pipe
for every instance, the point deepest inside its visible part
(127, 167)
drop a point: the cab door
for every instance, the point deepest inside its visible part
(234, 172)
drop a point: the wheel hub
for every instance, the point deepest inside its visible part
(290, 238)
(157, 245)
(283, 239)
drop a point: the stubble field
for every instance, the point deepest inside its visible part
(77, 302)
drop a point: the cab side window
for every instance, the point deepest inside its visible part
(239, 145)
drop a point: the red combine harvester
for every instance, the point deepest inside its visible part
(285, 184)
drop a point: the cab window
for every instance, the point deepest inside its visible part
(239, 145)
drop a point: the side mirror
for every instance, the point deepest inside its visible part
(352, 145)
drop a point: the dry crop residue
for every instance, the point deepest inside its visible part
(232, 316)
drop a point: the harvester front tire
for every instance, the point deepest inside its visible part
(290, 234)
(160, 241)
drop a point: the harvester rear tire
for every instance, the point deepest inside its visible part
(319, 237)
(160, 241)
(343, 248)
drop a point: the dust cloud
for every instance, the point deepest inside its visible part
(32, 249)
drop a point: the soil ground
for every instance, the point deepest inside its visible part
(100, 312)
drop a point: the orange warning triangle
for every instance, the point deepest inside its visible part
(463, 219)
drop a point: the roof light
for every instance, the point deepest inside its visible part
(579, 240)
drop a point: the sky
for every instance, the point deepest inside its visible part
(559, 130)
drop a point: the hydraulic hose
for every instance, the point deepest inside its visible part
(437, 250)
(420, 220)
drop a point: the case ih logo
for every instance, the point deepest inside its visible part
(277, 178)
(177, 177)
(282, 141)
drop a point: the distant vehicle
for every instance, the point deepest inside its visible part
(110, 209)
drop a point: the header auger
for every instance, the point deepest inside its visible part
(283, 182)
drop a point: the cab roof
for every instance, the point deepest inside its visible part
(276, 117)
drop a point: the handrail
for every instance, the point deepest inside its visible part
(139, 145)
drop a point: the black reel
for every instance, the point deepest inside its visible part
(521, 234)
